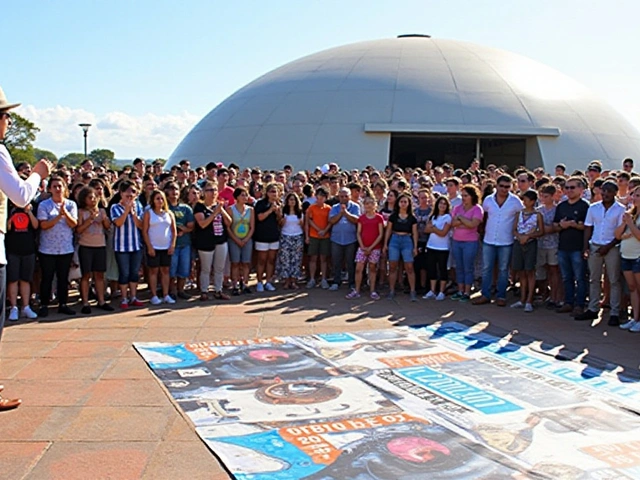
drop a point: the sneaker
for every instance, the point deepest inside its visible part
(136, 303)
(429, 295)
(43, 312)
(374, 296)
(464, 298)
(124, 304)
(352, 294)
(27, 312)
(628, 325)
(184, 296)
(391, 295)
(413, 296)
(614, 321)
(457, 296)
(528, 308)
(13, 315)
(154, 300)
(324, 284)
(311, 283)
(577, 311)
(334, 287)
(565, 308)
(260, 287)
(586, 315)
(106, 307)
(65, 310)
(247, 290)
(169, 300)
(221, 295)
(518, 304)
(235, 291)
(86, 309)
(635, 328)
(441, 296)
(269, 287)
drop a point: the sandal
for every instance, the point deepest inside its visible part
(220, 296)
(9, 404)
(204, 297)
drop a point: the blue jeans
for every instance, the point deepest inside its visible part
(181, 262)
(572, 268)
(491, 253)
(128, 266)
(464, 254)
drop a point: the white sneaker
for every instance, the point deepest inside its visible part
(334, 287)
(441, 296)
(155, 300)
(628, 325)
(13, 315)
(168, 300)
(311, 283)
(260, 287)
(635, 328)
(27, 312)
(429, 295)
(518, 304)
(324, 284)
(528, 308)
(269, 287)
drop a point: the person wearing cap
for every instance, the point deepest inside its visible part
(20, 192)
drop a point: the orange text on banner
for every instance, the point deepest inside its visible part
(618, 455)
(430, 360)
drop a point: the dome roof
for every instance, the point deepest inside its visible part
(341, 105)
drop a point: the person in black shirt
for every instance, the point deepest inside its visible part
(569, 221)
(266, 236)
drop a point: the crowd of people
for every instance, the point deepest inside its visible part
(568, 241)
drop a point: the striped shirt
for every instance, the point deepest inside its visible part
(127, 236)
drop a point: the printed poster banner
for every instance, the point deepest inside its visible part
(445, 401)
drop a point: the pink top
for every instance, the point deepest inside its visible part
(463, 234)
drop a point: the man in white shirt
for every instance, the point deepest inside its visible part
(602, 248)
(20, 192)
(500, 210)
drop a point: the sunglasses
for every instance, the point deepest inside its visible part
(570, 187)
(504, 186)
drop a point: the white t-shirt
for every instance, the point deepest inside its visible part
(436, 242)
(291, 226)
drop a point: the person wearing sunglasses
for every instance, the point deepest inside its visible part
(569, 222)
(20, 192)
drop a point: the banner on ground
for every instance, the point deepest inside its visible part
(445, 401)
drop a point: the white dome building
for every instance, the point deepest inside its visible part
(407, 99)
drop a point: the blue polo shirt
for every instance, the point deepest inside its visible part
(344, 232)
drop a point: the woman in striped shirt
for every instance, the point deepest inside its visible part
(127, 220)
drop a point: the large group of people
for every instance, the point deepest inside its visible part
(568, 241)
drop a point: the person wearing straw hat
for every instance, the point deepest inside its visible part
(20, 192)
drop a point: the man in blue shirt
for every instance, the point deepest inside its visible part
(344, 241)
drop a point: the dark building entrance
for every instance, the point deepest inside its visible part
(412, 150)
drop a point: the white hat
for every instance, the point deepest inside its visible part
(324, 168)
(4, 104)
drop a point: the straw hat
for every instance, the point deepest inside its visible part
(4, 104)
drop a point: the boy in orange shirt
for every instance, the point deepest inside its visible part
(317, 237)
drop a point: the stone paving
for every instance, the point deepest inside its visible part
(93, 410)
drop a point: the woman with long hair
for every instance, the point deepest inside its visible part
(289, 262)
(210, 238)
(266, 237)
(159, 233)
(58, 218)
(629, 234)
(241, 244)
(466, 218)
(438, 244)
(401, 242)
(92, 223)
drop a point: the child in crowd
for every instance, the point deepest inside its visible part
(318, 237)
(527, 227)
(422, 213)
(370, 234)
(548, 271)
(438, 247)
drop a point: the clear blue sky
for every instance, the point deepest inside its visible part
(145, 71)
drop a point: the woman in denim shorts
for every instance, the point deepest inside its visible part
(240, 244)
(629, 234)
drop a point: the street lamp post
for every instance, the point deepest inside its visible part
(85, 129)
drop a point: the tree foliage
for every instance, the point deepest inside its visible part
(72, 159)
(19, 139)
(39, 153)
(102, 156)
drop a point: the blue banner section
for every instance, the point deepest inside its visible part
(458, 391)
(169, 356)
(295, 463)
(336, 337)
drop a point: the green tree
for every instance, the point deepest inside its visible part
(102, 156)
(39, 153)
(72, 159)
(19, 139)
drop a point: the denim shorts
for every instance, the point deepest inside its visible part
(181, 262)
(240, 255)
(627, 265)
(401, 246)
